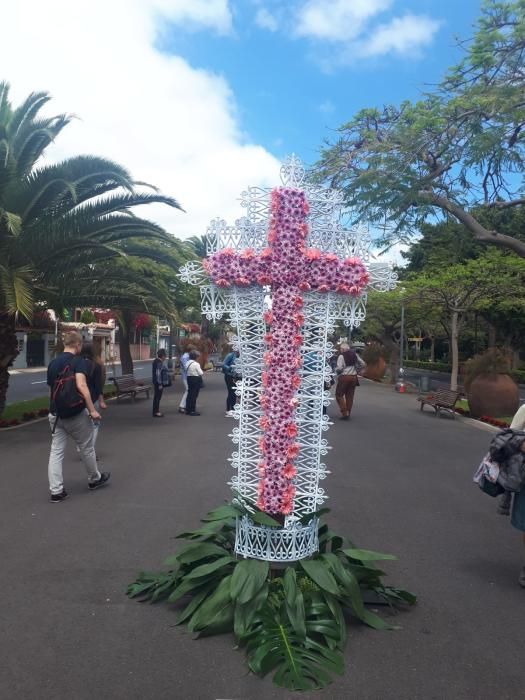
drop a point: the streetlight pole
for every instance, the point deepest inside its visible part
(400, 385)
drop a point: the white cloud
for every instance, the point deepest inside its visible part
(402, 35)
(266, 20)
(171, 124)
(336, 20)
(213, 14)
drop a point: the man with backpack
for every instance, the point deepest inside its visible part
(71, 414)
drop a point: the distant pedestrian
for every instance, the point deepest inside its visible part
(349, 364)
(194, 375)
(71, 414)
(96, 380)
(161, 379)
(230, 377)
(185, 358)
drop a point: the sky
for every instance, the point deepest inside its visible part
(205, 97)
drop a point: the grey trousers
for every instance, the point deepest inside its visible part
(80, 428)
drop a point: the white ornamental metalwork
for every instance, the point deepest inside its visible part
(245, 307)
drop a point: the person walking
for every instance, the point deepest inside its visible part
(194, 374)
(349, 364)
(185, 358)
(161, 379)
(516, 502)
(95, 381)
(230, 377)
(71, 414)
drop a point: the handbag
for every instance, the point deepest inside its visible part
(486, 477)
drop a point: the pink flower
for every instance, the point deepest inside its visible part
(267, 316)
(313, 254)
(289, 471)
(292, 451)
(304, 286)
(222, 283)
(291, 429)
(247, 253)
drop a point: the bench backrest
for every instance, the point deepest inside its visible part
(446, 397)
(125, 382)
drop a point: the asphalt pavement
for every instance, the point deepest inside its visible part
(24, 384)
(400, 482)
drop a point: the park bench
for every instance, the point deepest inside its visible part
(127, 385)
(440, 400)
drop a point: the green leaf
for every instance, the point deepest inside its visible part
(245, 614)
(294, 602)
(196, 600)
(206, 569)
(215, 611)
(367, 555)
(264, 519)
(247, 579)
(318, 571)
(194, 552)
(227, 512)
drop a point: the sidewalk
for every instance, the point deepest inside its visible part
(400, 483)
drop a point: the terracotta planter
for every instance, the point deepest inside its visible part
(375, 370)
(493, 395)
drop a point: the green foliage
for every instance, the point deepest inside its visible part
(492, 362)
(430, 366)
(458, 149)
(87, 316)
(290, 621)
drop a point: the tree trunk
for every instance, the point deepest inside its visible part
(492, 335)
(8, 353)
(454, 351)
(126, 361)
(432, 349)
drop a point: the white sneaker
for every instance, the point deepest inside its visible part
(229, 414)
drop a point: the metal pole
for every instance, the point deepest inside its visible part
(402, 339)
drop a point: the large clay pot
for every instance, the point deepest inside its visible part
(375, 370)
(493, 395)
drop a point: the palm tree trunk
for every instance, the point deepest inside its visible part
(454, 337)
(126, 361)
(8, 353)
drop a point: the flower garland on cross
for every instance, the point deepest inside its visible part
(290, 268)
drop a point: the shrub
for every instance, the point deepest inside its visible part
(29, 415)
(492, 362)
(373, 353)
(430, 366)
(43, 411)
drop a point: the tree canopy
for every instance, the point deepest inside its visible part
(458, 151)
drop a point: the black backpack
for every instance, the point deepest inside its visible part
(65, 396)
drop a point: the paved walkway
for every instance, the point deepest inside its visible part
(400, 483)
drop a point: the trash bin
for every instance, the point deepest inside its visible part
(424, 383)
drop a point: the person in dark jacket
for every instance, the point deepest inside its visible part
(230, 377)
(95, 381)
(159, 376)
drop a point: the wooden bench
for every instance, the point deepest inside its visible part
(127, 385)
(440, 400)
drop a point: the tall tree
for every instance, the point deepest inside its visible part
(56, 217)
(456, 152)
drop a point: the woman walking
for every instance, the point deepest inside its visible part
(348, 365)
(95, 381)
(194, 374)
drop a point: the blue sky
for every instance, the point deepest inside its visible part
(204, 97)
(292, 91)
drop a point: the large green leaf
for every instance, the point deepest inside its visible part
(198, 597)
(300, 664)
(216, 611)
(195, 552)
(245, 614)
(294, 602)
(247, 579)
(319, 572)
(212, 567)
(367, 555)
(226, 512)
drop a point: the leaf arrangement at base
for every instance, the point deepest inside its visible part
(290, 620)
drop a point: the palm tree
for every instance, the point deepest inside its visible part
(197, 245)
(56, 218)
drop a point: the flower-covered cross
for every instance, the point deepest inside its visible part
(289, 268)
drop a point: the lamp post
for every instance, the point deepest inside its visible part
(400, 386)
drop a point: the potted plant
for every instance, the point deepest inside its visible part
(374, 356)
(489, 387)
